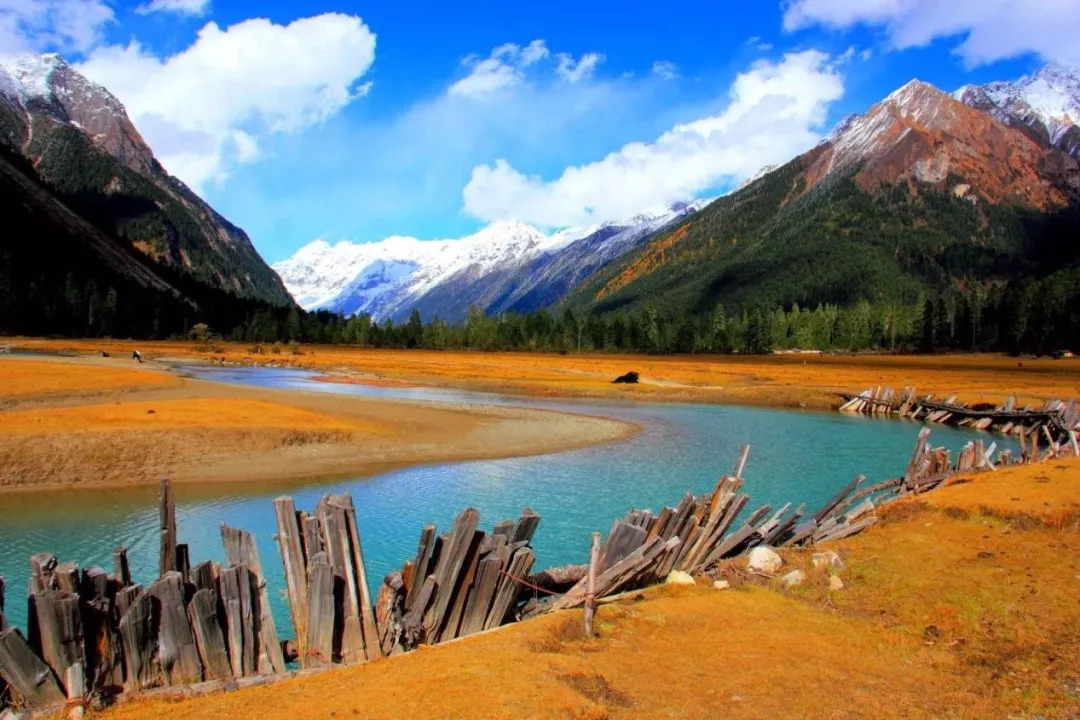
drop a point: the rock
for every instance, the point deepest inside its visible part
(835, 583)
(829, 559)
(721, 584)
(678, 577)
(764, 560)
(793, 578)
(630, 377)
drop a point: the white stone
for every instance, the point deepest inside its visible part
(829, 559)
(764, 559)
(793, 578)
(678, 577)
(721, 584)
(835, 583)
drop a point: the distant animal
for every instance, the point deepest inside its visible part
(630, 377)
(136, 356)
(103, 353)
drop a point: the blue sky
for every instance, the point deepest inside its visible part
(356, 121)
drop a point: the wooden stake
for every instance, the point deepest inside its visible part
(240, 550)
(75, 680)
(167, 518)
(177, 653)
(590, 584)
(292, 558)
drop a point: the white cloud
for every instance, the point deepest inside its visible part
(757, 43)
(991, 29)
(203, 109)
(504, 68)
(665, 69)
(508, 64)
(775, 111)
(194, 8)
(575, 71)
(64, 25)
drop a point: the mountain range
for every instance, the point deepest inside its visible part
(927, 192)
(1003, 144)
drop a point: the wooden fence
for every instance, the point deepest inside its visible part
(95, 636)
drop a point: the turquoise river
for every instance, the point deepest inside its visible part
(795, 456)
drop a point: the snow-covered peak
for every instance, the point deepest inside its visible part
(27, 76)
(388, 277)
(1047, 100)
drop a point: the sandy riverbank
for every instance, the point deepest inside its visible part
(796, 381)
(97, 422)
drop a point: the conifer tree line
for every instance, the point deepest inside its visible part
(1034, 316)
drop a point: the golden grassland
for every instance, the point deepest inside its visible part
(19, 379)
(959, 604)
(783, 380)
(91, 422)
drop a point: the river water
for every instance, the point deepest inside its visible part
(795, 457)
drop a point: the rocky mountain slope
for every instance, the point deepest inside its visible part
(79, 142)
(506, 266)
(1045, 105)
(919, 194)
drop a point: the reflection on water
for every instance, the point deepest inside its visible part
(797, 457)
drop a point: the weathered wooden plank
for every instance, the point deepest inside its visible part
(183, 559)
(590, 583)
(413, 625)
(838, 498)
(235, 587)
(167, 524)
(67, 577)
(525, 527)
(121, 570)
(420, 564)
(450, 568)
(504, 528)
(488, 574)
(124, 599)
(320, 620)
(240, 549)
(462, 589)
(336, 539)
(29, 677)
(312, 534)
(740, 464)
(178, 654)
(140, 642)
(389, 607)
(521, 563)
(210, 640)
(104, 666)
(60, 629)
(622, 540)
(204, 577)
(292, 559)
(372, 649)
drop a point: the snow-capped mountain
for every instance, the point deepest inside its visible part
(81, 144)
(505, 266)
(1045, 104)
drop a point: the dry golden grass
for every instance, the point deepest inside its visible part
(23, 377)
(208, 413)
(786, 380)
(948, 611)
(75, 423)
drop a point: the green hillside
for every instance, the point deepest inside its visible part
(770, 246)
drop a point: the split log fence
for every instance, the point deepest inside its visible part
(1056, 421)
(98, 636)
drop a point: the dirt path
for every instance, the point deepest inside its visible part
(90, 428)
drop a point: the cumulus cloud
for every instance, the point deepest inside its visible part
(508, 66)
(574, 71)
(64, 25)
(194, 8)
(203, 109)
(776, 110)
(665, 69)
(990, 29)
